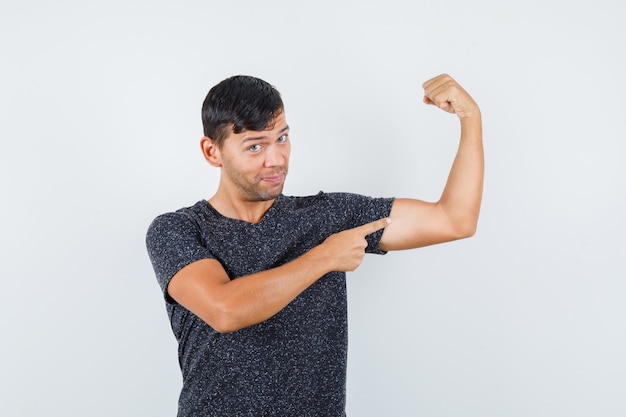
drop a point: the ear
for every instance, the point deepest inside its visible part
(211, 151)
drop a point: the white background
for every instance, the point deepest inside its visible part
(99, 128)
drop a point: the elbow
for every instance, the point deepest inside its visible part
(225, 325)
(224, 320)
(469, 231)
(460, 222)
(465, 229)
(228, 323)
(222, 326)
(224, 329)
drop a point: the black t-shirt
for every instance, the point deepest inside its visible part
(293, 364)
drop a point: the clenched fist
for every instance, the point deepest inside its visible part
(444, 92)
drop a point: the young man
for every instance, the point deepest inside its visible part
(254, 280)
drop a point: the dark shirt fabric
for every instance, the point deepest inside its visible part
(293, 364)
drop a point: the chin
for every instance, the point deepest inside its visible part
(270, 194)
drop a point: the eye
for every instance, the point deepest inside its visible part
(282, 139)
(255, 148)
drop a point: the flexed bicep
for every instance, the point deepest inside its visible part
(417, 223)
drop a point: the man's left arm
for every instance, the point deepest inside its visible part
(417, 223)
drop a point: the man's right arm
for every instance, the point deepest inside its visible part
(204, 288)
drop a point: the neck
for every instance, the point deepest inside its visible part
(235, 207)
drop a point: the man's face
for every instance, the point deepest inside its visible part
(255, 163)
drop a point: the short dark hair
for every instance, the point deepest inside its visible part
(239, 103)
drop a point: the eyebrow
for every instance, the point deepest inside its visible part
(252, 138)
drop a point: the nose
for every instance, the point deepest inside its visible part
(274, 157)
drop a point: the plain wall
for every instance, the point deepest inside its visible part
(100, 127)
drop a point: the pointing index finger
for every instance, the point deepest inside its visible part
(376, 225)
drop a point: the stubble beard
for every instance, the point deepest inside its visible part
(253, 192)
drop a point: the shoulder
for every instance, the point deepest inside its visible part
(318, 204)
(184, 219)
(339, 205)
(340, 200)
(322, 198)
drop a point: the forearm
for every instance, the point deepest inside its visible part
(254, 298)
(204, 288)
(462, 195)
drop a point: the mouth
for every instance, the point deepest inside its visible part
(275, 179)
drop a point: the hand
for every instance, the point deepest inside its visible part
(444, 92)
(346, 249)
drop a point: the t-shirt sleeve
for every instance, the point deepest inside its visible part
(357, 210)
(173, 241)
